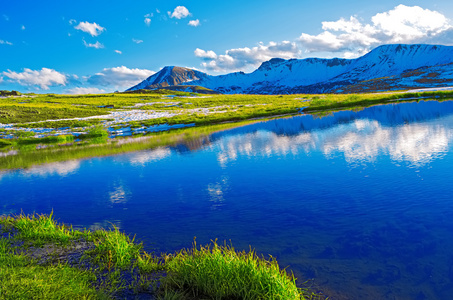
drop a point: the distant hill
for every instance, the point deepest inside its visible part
(388, 67)
(189, 88)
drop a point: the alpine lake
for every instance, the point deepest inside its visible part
(357, 203)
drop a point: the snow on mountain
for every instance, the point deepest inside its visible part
(387, 67)
(169, 76)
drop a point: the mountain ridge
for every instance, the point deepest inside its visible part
(394, 65)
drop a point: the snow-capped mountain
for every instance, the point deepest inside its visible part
(170, 76)
(388, 67)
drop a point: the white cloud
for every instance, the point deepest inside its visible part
(403, 24)
(119, 77)
(72, 22)
(194, 23)
(2, 42)
(137, 41)
(237, 59)
(22, 27)
(205, 54)
(85, 90)
(42, 78)
(407, 23)
(96, 45)
(148, 19)
(91, 28)
(180, 12)
(118, 51)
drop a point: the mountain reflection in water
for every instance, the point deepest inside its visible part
(360, 202)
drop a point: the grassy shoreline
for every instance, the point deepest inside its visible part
(42, 259)
(22, 147)
(183, 108)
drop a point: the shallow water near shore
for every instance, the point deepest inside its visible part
(359, 202)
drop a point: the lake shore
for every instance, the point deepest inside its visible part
(42, 258)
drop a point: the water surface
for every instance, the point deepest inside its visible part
(360, 202)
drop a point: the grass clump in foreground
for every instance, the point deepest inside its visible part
(38, 230)
(221, 272)
(110, 265)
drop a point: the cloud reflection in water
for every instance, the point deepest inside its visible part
(61, 168)
(408, 136)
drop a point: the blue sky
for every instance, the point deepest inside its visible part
(95, 46)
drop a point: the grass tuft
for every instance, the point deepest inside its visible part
(221, 272)
(38, 230)
(114, 249)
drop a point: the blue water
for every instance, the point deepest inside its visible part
(358, 202)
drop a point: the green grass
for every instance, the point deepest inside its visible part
(62, 124)
(113, 248)
(38, 230)
(115, 266)
(221, 272)
(63, 138)
(47, 107)
(21, 278)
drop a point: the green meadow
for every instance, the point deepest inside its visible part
(189, 108)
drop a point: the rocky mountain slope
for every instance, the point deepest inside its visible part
(388, 67)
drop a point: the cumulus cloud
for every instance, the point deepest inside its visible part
(403, 24)
(2, 42)
(91, 28)
(96, 45)
(43, 78)
(85, 90)
(118, 51)
(194, 23)
(119, 77)
(180, 12)
(205, 54)
(237, 59)
(137, 41)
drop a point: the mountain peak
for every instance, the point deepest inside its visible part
(169, 76)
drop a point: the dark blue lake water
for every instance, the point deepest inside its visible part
(360, 202)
